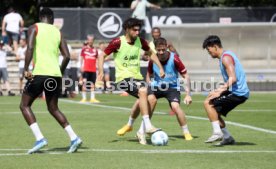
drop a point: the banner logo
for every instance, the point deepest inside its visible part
(110, 25)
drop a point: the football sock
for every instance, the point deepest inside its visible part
(92, 95)
(185, 129)
(147, 122)
(83, 95)
(70, 132)
(36, 131)
(130, 121)
(226, 133)
(142, 128)
(216, 127)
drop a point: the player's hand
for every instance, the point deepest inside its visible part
(100, 76)
(28, 75)
(187, 100)
(4, 33)
(162, 73)
(213, 95)
(99, 84)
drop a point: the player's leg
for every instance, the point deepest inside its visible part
(144, 109)
(229, 102)
(134, 113)
(141, 133)
(92, 80)
(107, 78)
(84, 87)
(31, 91)
(52, 105)
(213, 117)
(180, 115)
(173, 97)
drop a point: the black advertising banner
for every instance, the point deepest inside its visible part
(106, 23)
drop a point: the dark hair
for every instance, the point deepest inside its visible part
(46, 12)
(11, 9)
(211, 40)
(131, 22)
(160, 41)
(155, 28)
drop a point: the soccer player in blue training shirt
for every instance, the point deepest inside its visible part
(168, 87)
(225, 98)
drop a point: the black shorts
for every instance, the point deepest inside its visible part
(49, 84)
(227, 102)
(89, 76)
(132, 86)
(172, 95)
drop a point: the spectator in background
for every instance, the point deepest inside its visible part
(139, 11)
(20, 57)
(3, 70)
(12, 26)
(89, 55)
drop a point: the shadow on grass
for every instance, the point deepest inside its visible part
(244, 144)
(174, 137)
(236, 144)
(64, 149)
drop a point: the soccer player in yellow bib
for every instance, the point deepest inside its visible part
(126, 52)
(44, 43)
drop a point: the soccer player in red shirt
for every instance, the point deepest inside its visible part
(89, 56)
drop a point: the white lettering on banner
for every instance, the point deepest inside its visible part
(164, 20)
(110, 23)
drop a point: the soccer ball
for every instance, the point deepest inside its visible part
(159, 138)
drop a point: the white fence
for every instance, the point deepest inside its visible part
(254, 43)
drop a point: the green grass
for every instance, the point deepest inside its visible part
(102, 148)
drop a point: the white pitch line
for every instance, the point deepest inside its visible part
(141, 151)
(193, 117)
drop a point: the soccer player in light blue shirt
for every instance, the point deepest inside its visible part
(225, 98)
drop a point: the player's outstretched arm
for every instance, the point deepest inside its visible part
(155, 59)
(188, 98)
(100, 65)
(29, 51)
(65, 53)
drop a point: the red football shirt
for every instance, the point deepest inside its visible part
(89, 55)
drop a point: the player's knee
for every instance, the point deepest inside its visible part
(22, 106)
(206, 102)
(175, 106)
(143, 91)
(52, 109)
(152, 99)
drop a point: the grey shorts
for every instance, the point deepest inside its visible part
(4, 74)
(13, 36)
(106, 71)
(21, 70)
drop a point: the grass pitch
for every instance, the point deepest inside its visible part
(252, 125)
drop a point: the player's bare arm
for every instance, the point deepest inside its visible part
(101, 58)
(187, 99)
(29, 52)
(230, 69)
(65, 53)
(155, 59)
